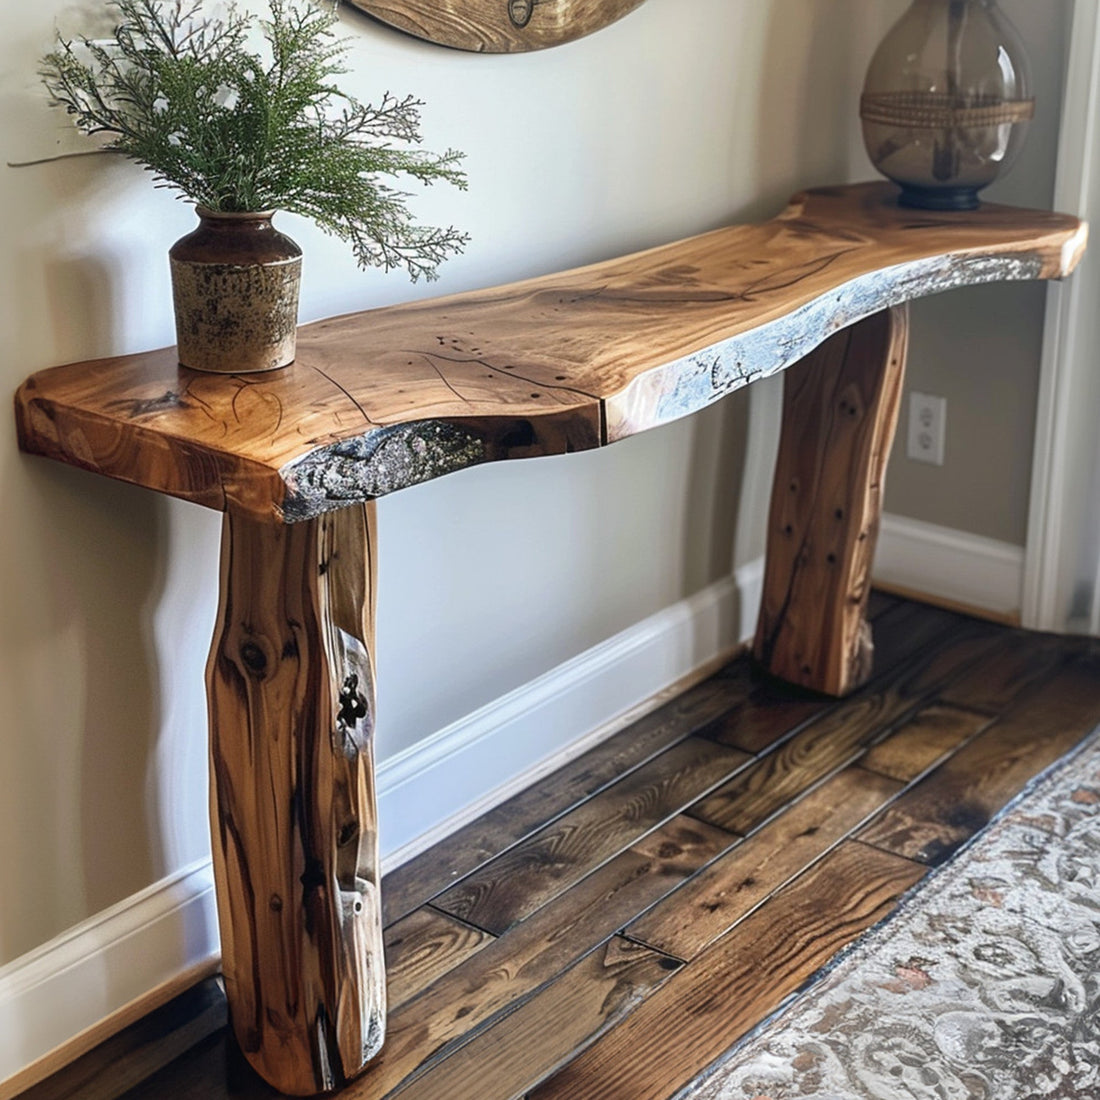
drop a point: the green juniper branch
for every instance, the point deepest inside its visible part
(232, 130)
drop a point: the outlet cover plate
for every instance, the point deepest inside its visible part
(927, 428)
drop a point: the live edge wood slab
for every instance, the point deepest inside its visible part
(381, 400)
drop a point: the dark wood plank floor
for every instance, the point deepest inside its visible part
(609, 932)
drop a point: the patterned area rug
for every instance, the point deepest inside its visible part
(985, 985)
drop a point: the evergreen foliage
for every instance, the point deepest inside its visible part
(236, 129)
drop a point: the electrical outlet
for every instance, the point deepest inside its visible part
(927, 428)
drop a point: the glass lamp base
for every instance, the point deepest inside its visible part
(939, 198)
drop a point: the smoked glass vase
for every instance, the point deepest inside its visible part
(947, 102)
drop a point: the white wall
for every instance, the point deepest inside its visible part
(677, 119)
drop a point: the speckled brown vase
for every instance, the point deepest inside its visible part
(235, 284)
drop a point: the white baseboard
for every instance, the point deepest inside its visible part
(950, 565)
(60, 992)
(484, 758)
(54, 1000)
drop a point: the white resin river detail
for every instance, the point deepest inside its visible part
(693, 382)
(391, 458)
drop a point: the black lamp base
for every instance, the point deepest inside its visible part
(939, 198)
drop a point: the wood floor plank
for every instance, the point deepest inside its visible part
(459, 1004)
(469, 997)
(714, 900)
(754, 795)
(202, 1073)
(738, 981)
(1016, 663)
(527, 876)
(422, 947)
(910, 628)
(928, 737)
(563, 1019)
(774, 709)
(770, 712)
(413, 883)
(931, 821)
(139, 1051)
(900, 630)
(838, 738)
(878, 603)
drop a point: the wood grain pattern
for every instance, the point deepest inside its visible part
(290, 685)
(925, 739)
(422, 947)
(545, 1032)
(415, 882)
(933, 819)
(515, 884)
(380, 400)
(750, 798)
(738, 980)
(770, 712)
(498, 26)
(773, 710)
(840, 411)
(470, 997)
(839, 737)
(1007, 670)
(713, 901)
(909, 630)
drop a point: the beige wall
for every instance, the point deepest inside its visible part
(679, 118)
(980, 347)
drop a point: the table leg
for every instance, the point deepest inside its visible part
(290, 684)
(840, 410)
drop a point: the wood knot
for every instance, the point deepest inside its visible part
(353, 703)
(313, 877)
(253, 658)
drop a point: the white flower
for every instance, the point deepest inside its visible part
(226, 97)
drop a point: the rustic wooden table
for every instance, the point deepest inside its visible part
(384, 399)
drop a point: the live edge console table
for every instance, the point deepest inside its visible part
(381, 400)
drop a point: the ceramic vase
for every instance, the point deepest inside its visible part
(235, 283)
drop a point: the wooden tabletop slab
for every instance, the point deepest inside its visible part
(380, 400)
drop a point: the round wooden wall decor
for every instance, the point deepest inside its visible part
(498, 26)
